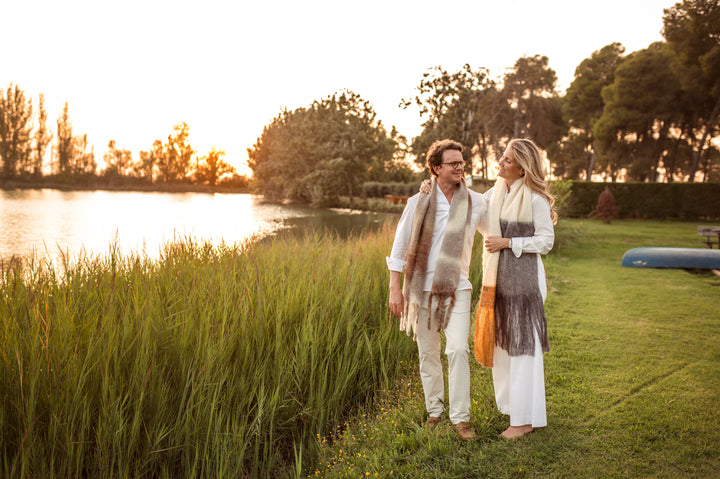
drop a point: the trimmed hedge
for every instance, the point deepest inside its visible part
(375, 189)
(687, 201)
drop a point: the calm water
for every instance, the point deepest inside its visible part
(46, 222)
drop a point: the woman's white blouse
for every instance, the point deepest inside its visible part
(540, 243)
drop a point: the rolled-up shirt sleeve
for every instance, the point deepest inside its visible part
(396, 260)
(544, 237)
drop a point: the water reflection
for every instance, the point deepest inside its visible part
(344, 222)
(45, 222)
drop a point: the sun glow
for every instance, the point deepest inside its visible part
(131, 71)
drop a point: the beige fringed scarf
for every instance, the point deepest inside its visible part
(447, 269)
(511, 307)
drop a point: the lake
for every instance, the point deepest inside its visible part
(47, 223)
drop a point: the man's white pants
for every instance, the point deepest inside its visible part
(457, 352)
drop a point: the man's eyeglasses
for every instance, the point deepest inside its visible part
(455, 164)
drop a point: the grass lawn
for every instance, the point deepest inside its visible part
(632, 378)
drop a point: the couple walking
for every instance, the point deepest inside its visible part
(433, 245)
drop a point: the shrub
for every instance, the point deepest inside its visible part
(606, 209)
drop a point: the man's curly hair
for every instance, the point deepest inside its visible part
(435, 152)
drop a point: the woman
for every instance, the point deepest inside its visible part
(518, 229)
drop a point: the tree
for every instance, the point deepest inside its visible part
(71, 152)
(711, 164)
(692, 29)
(174, 164)
(573, 157)
(43, 136)
(395, 168)
(117, 162)
(64, 146)
(316, 153)
(471, 108)
(640, 111)
(582, 106)
(235, 181)
(493, 120)
(15, 131)
(352, 140)
(530, 91)
(82, 161)
(149, 160)
(464, 106)
(212, 167)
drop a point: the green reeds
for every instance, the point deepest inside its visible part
(211, 361)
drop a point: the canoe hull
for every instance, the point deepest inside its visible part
(672, 258)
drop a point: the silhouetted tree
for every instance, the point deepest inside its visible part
(530, 91)
(64, 145)
(455, 106)
(466, 106)
(640, 111)
(692, 30)
(117, 162)
(43, 136)
(582, 105)
(212, 167)
(15, 131)
(471, 108)
(174, 164)
(235, 181)
(83, 161)
(149, 161)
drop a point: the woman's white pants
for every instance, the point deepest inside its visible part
(520, 386)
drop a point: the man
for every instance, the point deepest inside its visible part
(433, 244)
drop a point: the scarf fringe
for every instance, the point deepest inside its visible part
(523, 315)
(442, 311)
(409, 320)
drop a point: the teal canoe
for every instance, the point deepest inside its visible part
(684, 258)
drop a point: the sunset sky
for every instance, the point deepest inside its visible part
(131, 70)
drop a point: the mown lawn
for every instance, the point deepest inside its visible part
(632, 378)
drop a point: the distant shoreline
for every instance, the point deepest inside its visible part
(154, 188)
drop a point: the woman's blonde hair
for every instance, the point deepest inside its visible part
(529, 158)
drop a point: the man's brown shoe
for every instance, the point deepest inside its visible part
(464, 431)
(432, 422)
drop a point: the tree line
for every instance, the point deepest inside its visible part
(23, 149)
(647, 116)
(651, 115)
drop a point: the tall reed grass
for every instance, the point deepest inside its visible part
(211, 361)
